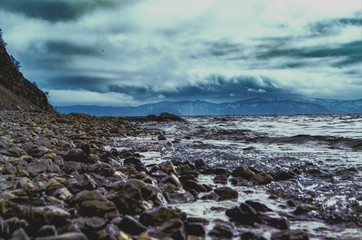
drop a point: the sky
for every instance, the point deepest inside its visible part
(131, 52)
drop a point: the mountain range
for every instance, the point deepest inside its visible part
(254, 106)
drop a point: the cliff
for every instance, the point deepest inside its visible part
(16, 92)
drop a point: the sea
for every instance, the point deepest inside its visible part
(323, 153)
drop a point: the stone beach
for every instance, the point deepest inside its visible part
(82, 177)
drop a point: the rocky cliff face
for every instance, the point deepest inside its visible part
(16, 92)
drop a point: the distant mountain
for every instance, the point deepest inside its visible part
(255, 106)
(16, 92)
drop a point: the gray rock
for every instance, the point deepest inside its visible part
(226, 193)
(290, 235)
(159, 216)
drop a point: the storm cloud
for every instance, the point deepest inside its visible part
(155, 50)
(58, 10)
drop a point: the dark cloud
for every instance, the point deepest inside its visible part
(77, 82)
(215, 87)
(220, 49)
(351, 51)
(57, 10)
(333, 26)
(69, 49)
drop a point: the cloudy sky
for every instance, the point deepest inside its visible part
(129, 52)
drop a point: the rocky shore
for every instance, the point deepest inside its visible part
(63, 177)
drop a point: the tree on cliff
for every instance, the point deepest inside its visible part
(15, 62)
(2, 42)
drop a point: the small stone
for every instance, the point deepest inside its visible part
(20, 234)
(168, 167)
(161, 137)
(66, 236)
(211, 196)
(261, 179)
(173, 229)
(290, 235)
(86, 148)
(195, 229)
(274, 220)
(92, 203)
(243, 172)
(226, 193)
(221, 232)
(51, 215)
(76, 155)
(130, 225)
(221, 179)
(259, 207)
(47, 230)
(301, 210)
(193, 184)
(159, 216)
(133, 160)
(244, 214)
(250, 236)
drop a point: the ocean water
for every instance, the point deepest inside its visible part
(325, 152)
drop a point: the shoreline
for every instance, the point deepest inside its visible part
(62, 177)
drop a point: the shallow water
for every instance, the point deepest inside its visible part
(325, 149)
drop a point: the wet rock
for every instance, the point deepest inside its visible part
(300, 210)
(135, 197)
(211, 196)
(38, 151)
(86, 148)
(9, 226)
(221, 232)
(20, 234)
(274, 220)
(165, 117)
(130, 225)
(187, 197)
(15, 152)
(243, 172)
(250, 236)
(200, 164)
(259, 207)
(168, 167)
(223, 171)
(193, 184)
(195, 229)
(283, 175)
(221, 179)
(133, 160)
(160, 215)
(172, 179)
(174, 229)
(261, 179)
(71, 166)
(81, 182)
(66, 236)
(47, 231)
(103, 169)
(161, 137)
(50, 215)
(226, 193)
(92, 203)
(291, 203)
(244, 214)
(76, 155)
(7, 169)
(36, 167)
(290, 235)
